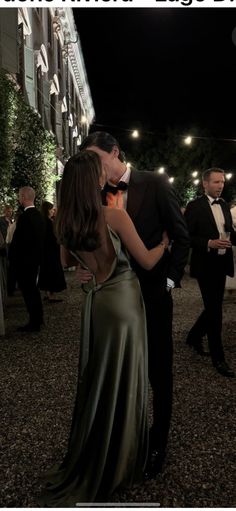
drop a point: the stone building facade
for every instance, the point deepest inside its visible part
(40, 48)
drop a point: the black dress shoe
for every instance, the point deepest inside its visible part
(196, 344)
(29, 328)
(224, 369)
(154, 464)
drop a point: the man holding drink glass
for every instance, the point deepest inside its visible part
(210, 226)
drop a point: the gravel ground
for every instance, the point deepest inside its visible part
(38, 385)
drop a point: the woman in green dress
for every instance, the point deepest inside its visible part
(109, 434)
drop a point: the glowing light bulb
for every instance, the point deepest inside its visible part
(188, 140)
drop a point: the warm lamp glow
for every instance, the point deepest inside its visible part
(135, 134)
(171, 179)
(195, 173)
(196, 182)
(228, 176)
(188, 140)
(161, 170)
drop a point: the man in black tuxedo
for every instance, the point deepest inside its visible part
(153, 207)
(210, 226)
(5, 221)
(26, 250)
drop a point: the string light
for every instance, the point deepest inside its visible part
(187, 140)
(195, 173)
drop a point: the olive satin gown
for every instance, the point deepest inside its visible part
(109, 435)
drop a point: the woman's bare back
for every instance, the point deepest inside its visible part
(100, 260)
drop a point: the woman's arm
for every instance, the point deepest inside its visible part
(122, 224)
(67, 259)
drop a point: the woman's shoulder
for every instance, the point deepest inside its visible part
(114, 215)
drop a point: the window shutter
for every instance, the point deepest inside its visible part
(46, 101)
(8, 40)
(30, 76)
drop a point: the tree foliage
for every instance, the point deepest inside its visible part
(7, 118)
(180, 160)
(27, 149)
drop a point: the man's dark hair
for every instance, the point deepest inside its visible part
(103, 141)
(206, 174)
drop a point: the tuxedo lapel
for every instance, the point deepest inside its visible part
(136, 192)
(226, 213)
(207, 209)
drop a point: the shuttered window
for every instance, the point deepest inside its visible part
(8, 40)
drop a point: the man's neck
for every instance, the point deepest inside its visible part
(114, 180)
(212, 198)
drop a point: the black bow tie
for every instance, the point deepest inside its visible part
(114, 189)
(217, 201)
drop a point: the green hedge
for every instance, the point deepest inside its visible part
(27, 150)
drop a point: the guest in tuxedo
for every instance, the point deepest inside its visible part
(210, 226)
(230, 285)
(26, 251)
(153, 207)
(11, 274)
(5, 222)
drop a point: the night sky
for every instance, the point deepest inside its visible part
(150, 68)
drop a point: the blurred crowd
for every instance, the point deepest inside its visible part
(29, 257)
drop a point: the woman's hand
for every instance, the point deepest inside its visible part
(83, 276)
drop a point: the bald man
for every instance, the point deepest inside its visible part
(26, 251)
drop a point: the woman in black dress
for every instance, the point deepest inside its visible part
(51, 276)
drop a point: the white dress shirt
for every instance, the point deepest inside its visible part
(219, 220)
(125, 178)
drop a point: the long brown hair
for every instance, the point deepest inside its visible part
(80, 203)
(45, 208)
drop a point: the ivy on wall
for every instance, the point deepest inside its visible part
(7, 116)
(27, 150)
